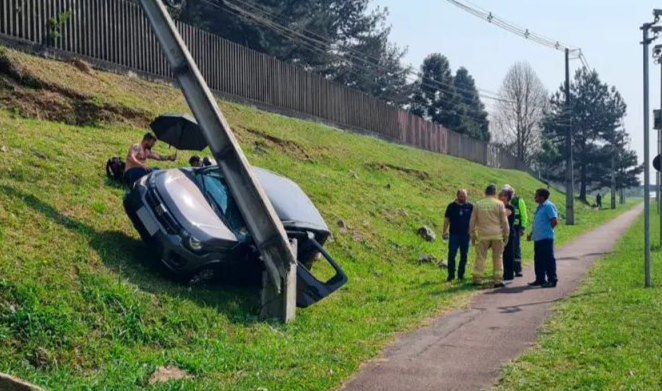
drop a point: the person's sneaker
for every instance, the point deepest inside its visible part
(550, 284)
(499, 285)
(508, 282)
(536, 283)
(450, 279)
(519, 275)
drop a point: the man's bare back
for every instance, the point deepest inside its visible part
(139, 153)
(137, 157)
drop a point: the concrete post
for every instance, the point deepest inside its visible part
(260, 217)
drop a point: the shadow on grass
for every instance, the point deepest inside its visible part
(132, 260)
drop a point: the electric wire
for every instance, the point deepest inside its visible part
(314, 44)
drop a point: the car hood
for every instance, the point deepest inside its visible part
(191, 209)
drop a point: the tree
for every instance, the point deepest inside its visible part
(342, 40)
(596, 115)
(435, 97)
(475, 122)
(520, 111)
(626, 164)
(377, 70)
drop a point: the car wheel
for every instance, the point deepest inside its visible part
(202, 276)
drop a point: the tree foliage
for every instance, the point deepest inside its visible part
(435, 97)
(596, 113)
(342, 40)
(475, 122)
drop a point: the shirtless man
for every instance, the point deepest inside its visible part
(136, 159)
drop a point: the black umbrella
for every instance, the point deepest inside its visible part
(179, 131)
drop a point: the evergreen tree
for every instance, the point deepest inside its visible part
(596, 115)
(475, 122)
(342, 40)
(435, 97)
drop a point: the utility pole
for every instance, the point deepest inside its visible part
(277, 253)
(658, 175)
(647, 207)
(613, 180)
(657, 125)
(570, 185)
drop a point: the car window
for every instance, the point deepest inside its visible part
(221, 200)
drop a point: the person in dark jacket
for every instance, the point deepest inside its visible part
(457, 216)
(509, 250)
(521, 222)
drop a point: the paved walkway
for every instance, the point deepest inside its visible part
(465, 350)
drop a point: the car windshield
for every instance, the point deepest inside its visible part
(217, 192)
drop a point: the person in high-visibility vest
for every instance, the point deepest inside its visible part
(521, 222)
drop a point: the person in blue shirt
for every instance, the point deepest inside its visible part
(545, 221)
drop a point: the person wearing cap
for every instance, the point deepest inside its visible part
(521, 222)
(489, 230)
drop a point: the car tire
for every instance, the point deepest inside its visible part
(202, 276)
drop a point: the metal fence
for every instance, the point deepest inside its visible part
(117, 32)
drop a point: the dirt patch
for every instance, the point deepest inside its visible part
(7, 68)
(166, 374)
(266, 141)
(82, 66)
(422, 175)
(29, 97)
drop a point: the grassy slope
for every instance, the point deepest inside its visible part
(608, 336)
(81, 306)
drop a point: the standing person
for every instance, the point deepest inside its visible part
(506, 197)
(598, 200)
(489, 229)
(457, 217)
(521, 222)
(542, 234)
(137, 156)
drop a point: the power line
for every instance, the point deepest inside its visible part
(517, 30)
(323, 40)
(314, 44)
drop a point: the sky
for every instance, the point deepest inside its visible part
(607, 31)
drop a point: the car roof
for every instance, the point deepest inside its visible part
(292, 205)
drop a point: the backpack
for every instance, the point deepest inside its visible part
(115, 168)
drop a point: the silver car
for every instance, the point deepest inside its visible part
(191, 220)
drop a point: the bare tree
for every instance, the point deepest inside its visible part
(517, 118)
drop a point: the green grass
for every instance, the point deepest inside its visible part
(608, 335)
(82, 307)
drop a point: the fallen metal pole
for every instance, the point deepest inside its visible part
(261, 219)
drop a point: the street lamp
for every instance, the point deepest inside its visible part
(657, 56)
(646, 41)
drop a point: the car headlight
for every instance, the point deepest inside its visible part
(191, 241)
(194, 243)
